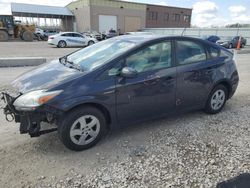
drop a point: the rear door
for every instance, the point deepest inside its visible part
(79, 40)
(195, 74)
(152, 92)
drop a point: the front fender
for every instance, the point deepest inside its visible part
(72, 103)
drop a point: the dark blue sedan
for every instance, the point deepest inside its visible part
(120, 81)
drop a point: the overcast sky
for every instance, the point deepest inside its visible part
(205, 12)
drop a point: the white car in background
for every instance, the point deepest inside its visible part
(70, 39)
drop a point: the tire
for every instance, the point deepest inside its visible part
(3, 36)
(216, 100)
(27, 36)
(230, 46)
(62, 44)
(76, 134)
(91, 43)
(242, 45)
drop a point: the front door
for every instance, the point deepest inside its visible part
(152, 91)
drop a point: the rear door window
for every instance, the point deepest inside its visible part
(67, 35)
(77, 35)
(188, 52)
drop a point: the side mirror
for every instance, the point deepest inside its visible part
(128, 72)
(114, 72)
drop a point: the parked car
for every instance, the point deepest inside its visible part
(232, 42)
(93, 34)
(120, 81)
(50, 32)
(212, 38)
(69, 39)
(110, 34)
(40, 34)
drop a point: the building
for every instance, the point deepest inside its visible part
(167, 17)
(103, 15)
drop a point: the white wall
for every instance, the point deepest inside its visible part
(199, 32)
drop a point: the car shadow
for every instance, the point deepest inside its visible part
(241, 181)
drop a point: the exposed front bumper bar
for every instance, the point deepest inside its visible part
(30, 122)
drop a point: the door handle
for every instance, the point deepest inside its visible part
(169, 78)
(151, 80)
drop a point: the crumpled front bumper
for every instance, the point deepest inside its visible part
(30, 121)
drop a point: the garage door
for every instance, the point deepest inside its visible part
(107, 22)
(132, 23)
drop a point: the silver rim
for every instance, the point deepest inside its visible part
(62, 44)
(218, 99)
(91, 43)
(85, 130)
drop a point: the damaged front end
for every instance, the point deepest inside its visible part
(30, 121)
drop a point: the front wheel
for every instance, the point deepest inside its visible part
(216, 100)
(62, 44)
(82, 128)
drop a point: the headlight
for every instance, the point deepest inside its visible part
(33, 99)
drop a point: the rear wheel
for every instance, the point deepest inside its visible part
(216, 100)
(82, 128)
(91, 43)
(62, 44)
(230, 46)
(242, 45)
(4, 35)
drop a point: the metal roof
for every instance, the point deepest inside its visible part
(40, 9)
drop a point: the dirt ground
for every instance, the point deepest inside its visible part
(45, 162)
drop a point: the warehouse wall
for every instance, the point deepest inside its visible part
(81, 10)
(120, 13)
(119, 9)
(200, 32)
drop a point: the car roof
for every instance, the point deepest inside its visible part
(147, 38)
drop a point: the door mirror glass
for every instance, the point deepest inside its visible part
(128, 72)
(114, 72)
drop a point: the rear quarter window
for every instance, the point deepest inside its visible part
(226, 55)
(213, 52)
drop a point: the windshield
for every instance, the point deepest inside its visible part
(100, 53)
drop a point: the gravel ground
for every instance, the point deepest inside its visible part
(187, 150)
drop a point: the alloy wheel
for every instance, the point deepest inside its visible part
(84, 130)
(218, 99)
(62, 44)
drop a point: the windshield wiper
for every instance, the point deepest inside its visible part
(64, 61)
(74, 66)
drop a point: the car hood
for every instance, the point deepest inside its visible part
(45, 77)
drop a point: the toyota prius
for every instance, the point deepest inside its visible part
(118, 82)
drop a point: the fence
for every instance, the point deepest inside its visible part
(199, 32)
